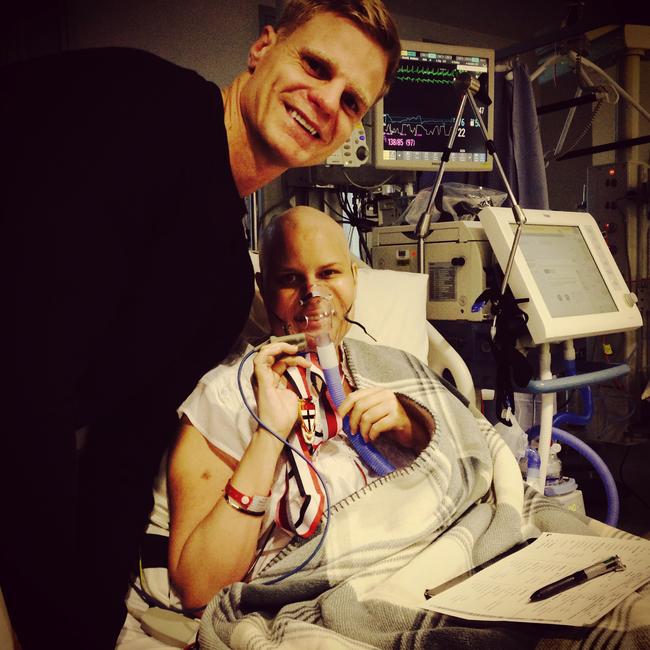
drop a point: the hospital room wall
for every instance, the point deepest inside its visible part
(209, 37)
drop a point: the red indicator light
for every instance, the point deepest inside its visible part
(611, 171)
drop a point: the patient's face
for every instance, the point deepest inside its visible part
(311, 254)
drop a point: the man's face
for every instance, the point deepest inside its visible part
(310, 88)
(308, 260)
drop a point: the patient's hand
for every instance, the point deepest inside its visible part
(375, 411)
(277, 405)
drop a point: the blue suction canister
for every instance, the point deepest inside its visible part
(317, 323)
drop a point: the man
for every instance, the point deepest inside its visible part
(123, 177)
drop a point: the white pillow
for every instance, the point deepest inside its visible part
(391, 305)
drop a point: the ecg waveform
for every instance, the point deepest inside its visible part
(426, 75)
(416, 126)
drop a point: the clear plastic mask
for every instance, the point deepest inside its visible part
(314, 318)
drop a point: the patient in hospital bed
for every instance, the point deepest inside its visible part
(246, 517)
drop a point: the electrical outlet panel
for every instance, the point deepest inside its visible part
(613, 195)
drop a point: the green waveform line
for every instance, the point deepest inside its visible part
(424, 81)
(432, 72)
(438, 75)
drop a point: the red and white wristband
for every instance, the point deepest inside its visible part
(250, 505)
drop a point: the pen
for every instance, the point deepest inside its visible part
(430, 593)
(605, 566)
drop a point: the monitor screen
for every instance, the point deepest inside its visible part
(563, 272)
(413, 122)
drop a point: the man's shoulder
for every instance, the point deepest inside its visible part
(96, 56)
(225, 374)
(217, 395)
(114, 70)
(135, 59)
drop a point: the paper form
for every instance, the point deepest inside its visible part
(501, 591)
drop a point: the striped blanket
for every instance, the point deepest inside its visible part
(458, 504)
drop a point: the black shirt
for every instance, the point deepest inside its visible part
(124, 276)
(122, 241)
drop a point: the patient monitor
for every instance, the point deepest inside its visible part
(563, 269)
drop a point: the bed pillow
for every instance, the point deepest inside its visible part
(390, 304)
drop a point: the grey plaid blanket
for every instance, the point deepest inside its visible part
(458, 504)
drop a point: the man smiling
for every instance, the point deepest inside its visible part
(126, 274)
(306, 91)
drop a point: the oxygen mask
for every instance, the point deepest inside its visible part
(314, 317)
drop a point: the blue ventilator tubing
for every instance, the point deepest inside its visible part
(611, 493)
(329, 363)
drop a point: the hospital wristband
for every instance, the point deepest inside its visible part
(250, 505)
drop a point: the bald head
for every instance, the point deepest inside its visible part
(294, 226)
(299, 249)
